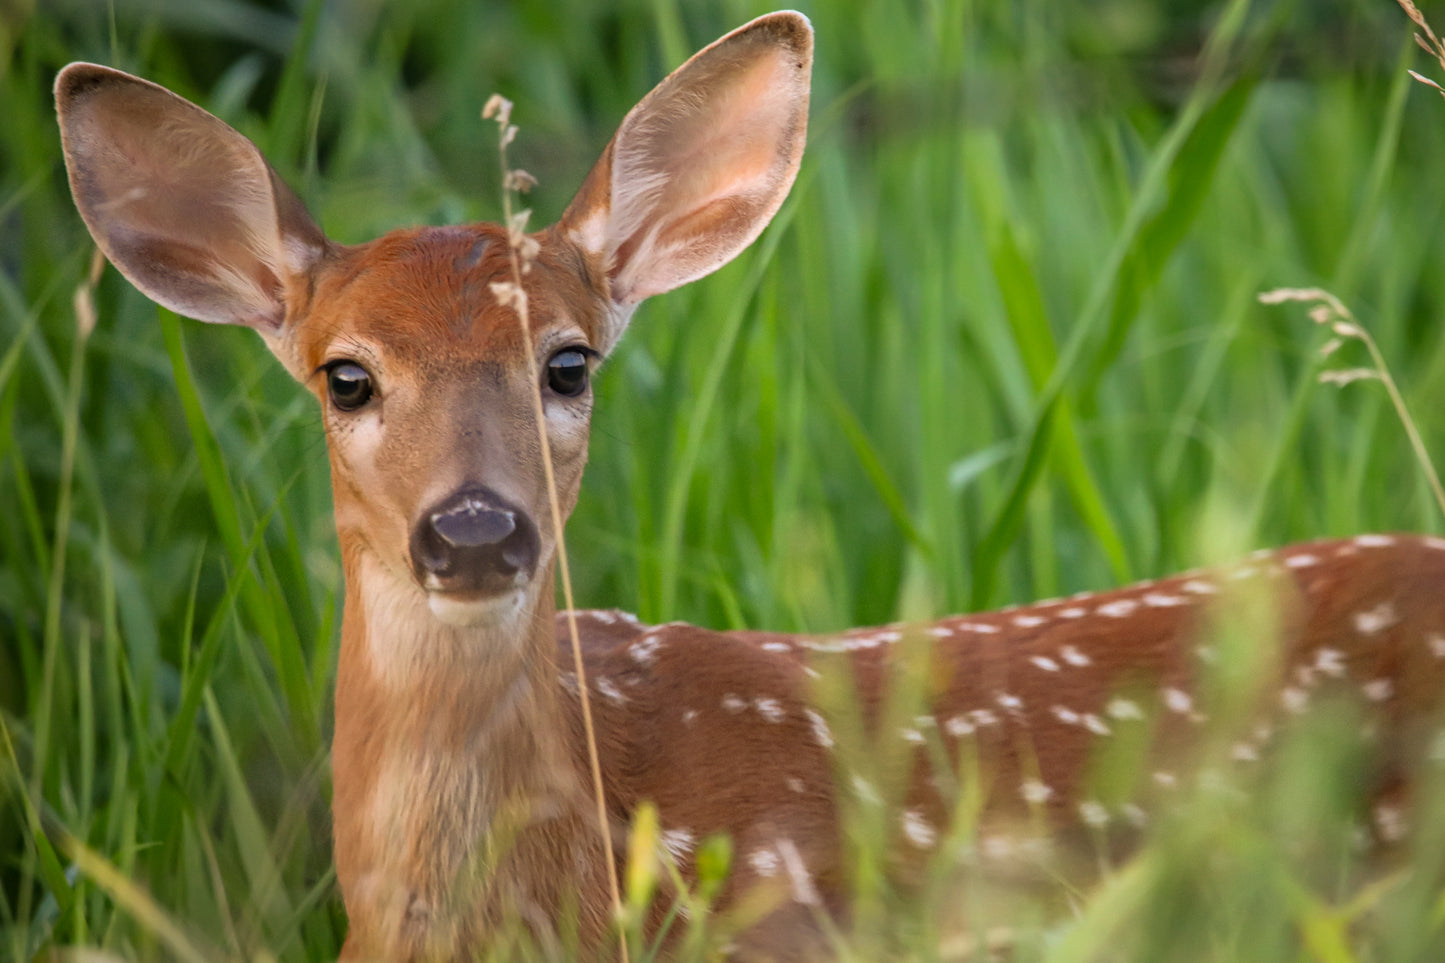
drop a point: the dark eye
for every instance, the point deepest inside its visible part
(348, 384)
(567, 372)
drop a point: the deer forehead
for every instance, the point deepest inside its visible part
(427, 298)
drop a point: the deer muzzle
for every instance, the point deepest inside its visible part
(474, 546)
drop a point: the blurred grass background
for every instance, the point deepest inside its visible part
(1002, 343)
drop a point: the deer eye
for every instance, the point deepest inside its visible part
(567, 372)
(349, 385)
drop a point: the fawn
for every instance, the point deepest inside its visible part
(462, 793)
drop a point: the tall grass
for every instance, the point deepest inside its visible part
(1002, 343)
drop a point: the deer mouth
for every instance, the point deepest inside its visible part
(477, 610)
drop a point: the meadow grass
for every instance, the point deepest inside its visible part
(1001, 343)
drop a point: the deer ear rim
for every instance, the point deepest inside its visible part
(601, 218)
(275, 238)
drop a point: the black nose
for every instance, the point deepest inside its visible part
(473, 542)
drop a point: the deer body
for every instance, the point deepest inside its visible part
(462, 796)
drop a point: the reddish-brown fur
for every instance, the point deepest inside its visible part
(462, 794)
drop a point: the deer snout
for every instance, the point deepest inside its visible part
(474, 543)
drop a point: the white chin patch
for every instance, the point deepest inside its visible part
(477, 612)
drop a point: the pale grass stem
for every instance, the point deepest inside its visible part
(1328, 310)
(521, 251)
(134, 898)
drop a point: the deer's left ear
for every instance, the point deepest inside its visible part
(701, 165)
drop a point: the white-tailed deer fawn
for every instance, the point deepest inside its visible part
(462, 793)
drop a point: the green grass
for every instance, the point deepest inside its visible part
(1002, 343)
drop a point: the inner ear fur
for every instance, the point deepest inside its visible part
(183, 205)
(700, 166)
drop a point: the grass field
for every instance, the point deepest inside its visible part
(1003, 342)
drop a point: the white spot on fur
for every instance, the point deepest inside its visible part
(1065, 715)
(1073, 612)
(1035, 792)
(1118, 609)
(689, 716)
(1073, 656)
(940, 631)
(1374, 541)
(679, 843)
(1135, 814)
(795, 784)
(608, 690)
(1162, 600)
(1045, 663)
(1121, 708)
(821, 733)
(1244, 752)
(1092, 813)
(764, 862)
(982, 628)
(1302, 560)
(1096, 725)
(1437, 644)
(920, 831)
(1391, 823)
(1165, 779)
(644, 650)
(958, 727)
(1434, 541)
(1010, 702)
(1198, 586)
(1378, 690)
(770, 709)
(779, 648)
(733, 703)
(1294, 700)
(1377, 619)
(1177, 700)
(1029, 621)
(1330, 662)
(911, 735)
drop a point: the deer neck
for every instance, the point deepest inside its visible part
(452, 767)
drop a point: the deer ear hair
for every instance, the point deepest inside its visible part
(700, 166)
(183, 205)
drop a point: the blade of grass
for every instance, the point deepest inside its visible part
(1008, 518)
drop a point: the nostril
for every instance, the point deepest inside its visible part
(471, 525)
(519, 551)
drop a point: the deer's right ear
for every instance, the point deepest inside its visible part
(700, 166)
(182, 204)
